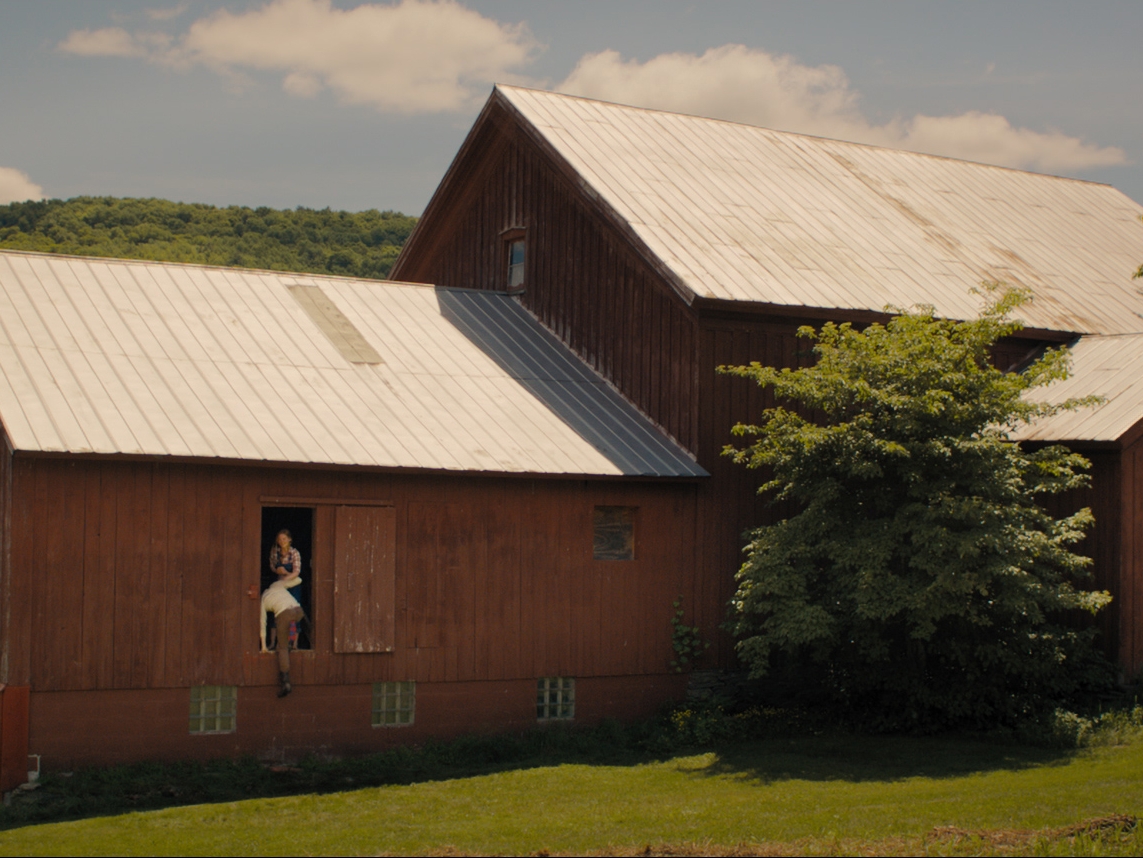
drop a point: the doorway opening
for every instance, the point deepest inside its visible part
(299, 521)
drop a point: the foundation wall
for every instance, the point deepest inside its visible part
(80, 728)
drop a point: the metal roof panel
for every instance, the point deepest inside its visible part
(743, 213)
(115, 356)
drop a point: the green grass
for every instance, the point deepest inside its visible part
(820, 793)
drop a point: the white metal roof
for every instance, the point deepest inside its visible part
(1111, 367)
(113, 356)
(744, 213)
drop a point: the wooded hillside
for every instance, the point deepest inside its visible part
(360, 244)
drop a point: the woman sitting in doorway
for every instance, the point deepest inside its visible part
(286, 562)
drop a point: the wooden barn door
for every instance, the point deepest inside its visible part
(364, 588)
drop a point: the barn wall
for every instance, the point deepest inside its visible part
(151, 724)
(1131, 562)
(1105, 544)
(5, 551)
(145, 575)
(583, 280)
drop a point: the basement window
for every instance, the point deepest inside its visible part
(555, 698)
(394, 703)
(614, 533)
(213, 709)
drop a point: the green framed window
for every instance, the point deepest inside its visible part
(555, 698)
(394, 703)
(213, 708)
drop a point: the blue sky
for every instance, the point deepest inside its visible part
(362, 105)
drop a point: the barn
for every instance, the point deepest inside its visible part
(500, 482)
(659, 246)
(492, 536)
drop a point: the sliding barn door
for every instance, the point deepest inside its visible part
(363, 579)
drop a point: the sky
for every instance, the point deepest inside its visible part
(357, 105)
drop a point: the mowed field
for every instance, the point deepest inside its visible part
(813, 795)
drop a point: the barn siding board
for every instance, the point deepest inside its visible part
(1131, 561)
(158, 579)
(173, 638)
(23, 573)
(67, 629)
(5, 554)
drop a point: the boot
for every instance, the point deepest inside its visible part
(284, 686)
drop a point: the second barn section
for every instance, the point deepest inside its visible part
(659, 246)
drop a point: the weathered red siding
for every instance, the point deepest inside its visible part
(582, 280)
(74, 728)
(1131, 561)
(136, 575)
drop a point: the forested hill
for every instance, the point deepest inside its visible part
(358, 244)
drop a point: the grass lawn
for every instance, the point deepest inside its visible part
(814, 794)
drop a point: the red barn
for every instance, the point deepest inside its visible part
(499, 483)
(659, 246)
(491, 535)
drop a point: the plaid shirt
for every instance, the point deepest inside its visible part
(293, 556)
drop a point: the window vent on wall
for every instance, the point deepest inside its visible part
(394, 703)
(555, 698)
(344, 335)
(213, 708)
(614, 533)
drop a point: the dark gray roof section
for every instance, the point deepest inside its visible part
(528, 352)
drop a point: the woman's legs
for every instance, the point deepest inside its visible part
(282, 623)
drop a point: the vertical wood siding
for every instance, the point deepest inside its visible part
(1131, 562)
(582, 279)
(588, 285)
(135, 575)
(1106, 544)
(5, 553)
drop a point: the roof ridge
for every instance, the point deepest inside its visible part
(47, 254)
(802, 134)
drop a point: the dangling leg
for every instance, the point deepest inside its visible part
(282, 622)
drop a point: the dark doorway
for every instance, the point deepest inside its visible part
(299, 520)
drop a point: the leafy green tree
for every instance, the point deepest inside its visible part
(356, 244)
(921, 585)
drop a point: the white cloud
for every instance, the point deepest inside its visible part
(746, 85)
(418, 56)
(107, 42)
(15, 187)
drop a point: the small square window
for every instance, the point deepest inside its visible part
(555, 698)
(213, 708)
(394, 703)
(614, 533)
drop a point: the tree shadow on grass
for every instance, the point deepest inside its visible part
(857, 758)
(153, 786)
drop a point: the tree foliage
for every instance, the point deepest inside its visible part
(922, 584)
(358, 244)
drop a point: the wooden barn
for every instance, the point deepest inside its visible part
(658, 246)
(501, 482)
(491, 535)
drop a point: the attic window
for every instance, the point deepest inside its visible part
(341, 332)
(515, 252)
